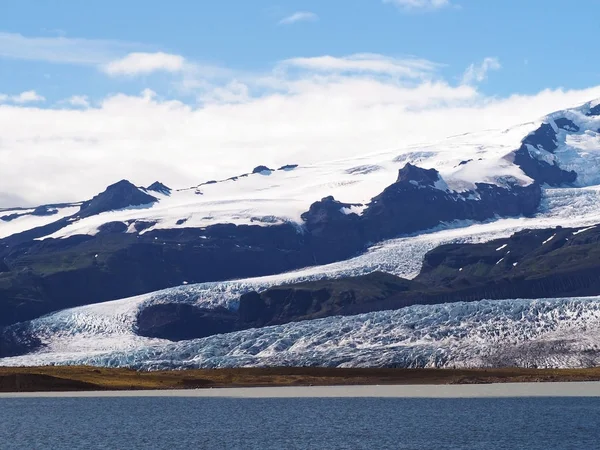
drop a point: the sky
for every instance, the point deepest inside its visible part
(186, 91)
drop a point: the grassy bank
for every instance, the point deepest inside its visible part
(35, 379)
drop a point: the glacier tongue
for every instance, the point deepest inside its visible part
(525, 333)
(106, 331)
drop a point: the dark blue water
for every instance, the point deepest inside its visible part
(218, 423)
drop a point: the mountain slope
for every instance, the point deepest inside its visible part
(130, 240)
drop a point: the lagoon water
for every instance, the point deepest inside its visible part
(302, 422)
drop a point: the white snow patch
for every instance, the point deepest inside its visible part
(583, 230)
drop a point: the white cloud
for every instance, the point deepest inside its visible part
(145, 63)
(3, 98)
(62, 50)
(420, 4)
(310, 113)
(476, 73)
(27, 97)
(365, 63)
(79, 101)
(300, 16)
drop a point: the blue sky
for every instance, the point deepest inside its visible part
(187, 91)
(539, 43)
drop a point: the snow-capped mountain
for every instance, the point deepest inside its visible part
(562, 148)
(271, 226)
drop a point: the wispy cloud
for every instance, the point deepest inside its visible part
(22, 98)
(420, 4)
(63, 50)
(145, 63)
(365, 63)
(300, 16)
(476, 73)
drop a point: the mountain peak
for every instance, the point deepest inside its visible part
(414, 173)
(120, 195)
(157, 186)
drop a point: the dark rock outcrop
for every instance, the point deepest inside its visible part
(288, 167)
(313, 300)
(9, 217)
(544, 138)
(541, 171)
(334, 234)
(595, 111)
(413, 203)
(566, 124)
(180, 321)
(157, 186)
(44, 211)
(141, 225)
(262, 169)
(117, 196)
(112, 227)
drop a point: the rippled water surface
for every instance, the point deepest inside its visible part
(299, 423)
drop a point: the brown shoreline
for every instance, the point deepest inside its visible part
(63, 378)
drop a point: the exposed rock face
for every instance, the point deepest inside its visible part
(541, 171)
(157, 186)
(117, 196)
(177, 322)
(262, 169)
(334, 235)
(544, 138)
(595, 111)
(418, 176)
(112, 227)
(566, 124)
(44, 211)
(317, 299)
(413, 203)
(534, 166)
(288, 167)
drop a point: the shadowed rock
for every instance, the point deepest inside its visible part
(544, 138)
(117, 196)
(157, 186)
(566, 124)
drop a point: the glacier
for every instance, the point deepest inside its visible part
(552, 333)
(106, 331)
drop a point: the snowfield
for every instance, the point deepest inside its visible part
(283, 194)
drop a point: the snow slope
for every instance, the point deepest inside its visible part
(276, 196)
(27, 221)
(280, 196)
